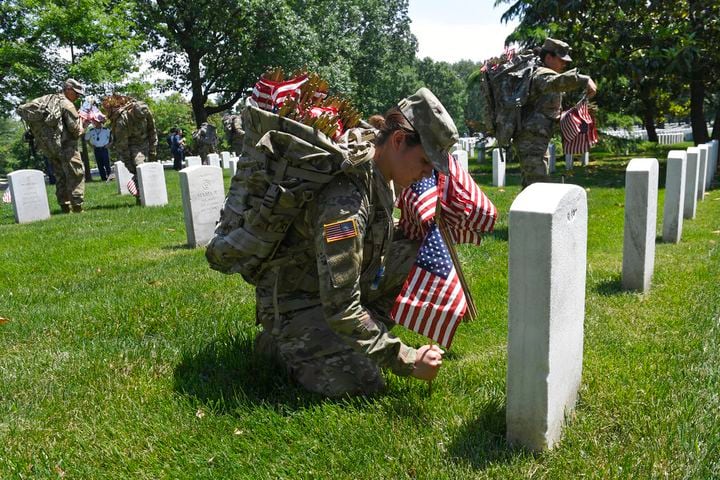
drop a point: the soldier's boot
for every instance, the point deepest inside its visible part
(65, 207)
(77, 208)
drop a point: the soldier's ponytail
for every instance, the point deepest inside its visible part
(394, 120)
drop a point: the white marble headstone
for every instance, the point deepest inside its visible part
(674, 196)
(203, 193)
(641, 192)
(29, 197)
(214, 160)
(498, 168)
(193, 161)
(225, 156)
(461, 156)
(122, 177)
(233, 165)
(702, 171)
(586, 158)
(546, 311)
(551, 158)
(691, 180)
(714, 155)
(151, 179)
(568, 161)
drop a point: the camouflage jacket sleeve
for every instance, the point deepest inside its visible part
(547, 81)
(71, 120)
(340, 221)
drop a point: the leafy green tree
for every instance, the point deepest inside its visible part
(448, 86)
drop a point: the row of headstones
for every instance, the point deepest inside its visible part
(689, 174)
(29, 196)
(499, 163)
(547, 259)
(670, 138)
(225, 160)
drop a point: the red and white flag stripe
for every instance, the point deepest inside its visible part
(578, 129)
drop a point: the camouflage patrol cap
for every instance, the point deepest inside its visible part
(434, 125)
(75, 85)
(558, 47)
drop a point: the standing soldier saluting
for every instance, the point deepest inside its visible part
(541, 112)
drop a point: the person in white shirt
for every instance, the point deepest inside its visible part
(99, 138)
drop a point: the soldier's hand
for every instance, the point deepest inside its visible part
(427, 362)
(591, 88)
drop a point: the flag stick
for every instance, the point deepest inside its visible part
(471, 313)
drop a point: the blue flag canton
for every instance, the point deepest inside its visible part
(433, 255)
(422, 186)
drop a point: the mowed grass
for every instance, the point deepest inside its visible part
(125, 356)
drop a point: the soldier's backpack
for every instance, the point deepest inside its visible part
(285, 164)
(504, 84)
(43, 117)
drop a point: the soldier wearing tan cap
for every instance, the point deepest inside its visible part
(541, 112)
(67, 163)
(326, 313)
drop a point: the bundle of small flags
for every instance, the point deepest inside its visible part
(90, 112)
(7, 196)
(432, 301)
(304, 98)
(494, 63)
(578, 129)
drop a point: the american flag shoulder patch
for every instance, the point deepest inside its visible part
(340, 230)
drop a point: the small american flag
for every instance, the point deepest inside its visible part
(432, 301)
(7, 197)
(466, 210)
(132, 188)
(578, 130)
(340, 230)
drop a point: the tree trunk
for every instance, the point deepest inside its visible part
(649, 110)
(697, 117)
(198, 98)
(85, 159)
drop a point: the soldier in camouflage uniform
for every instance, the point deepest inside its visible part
(234, 132)
(133, 128)
(67, 164)
(204, 141)
(541, 113)
(326, 316)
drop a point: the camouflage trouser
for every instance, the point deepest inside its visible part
(531, 150)
(313, 354)
(202, 152)
(137, 157)
(237, 144)
(70, 178)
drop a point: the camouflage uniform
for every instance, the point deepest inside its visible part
(134, 136)
(234, 132)
(204, 141)
(67, 164)
(325, 303)
(540, 118)
(331, 328)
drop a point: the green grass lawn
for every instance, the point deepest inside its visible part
(125, 356)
